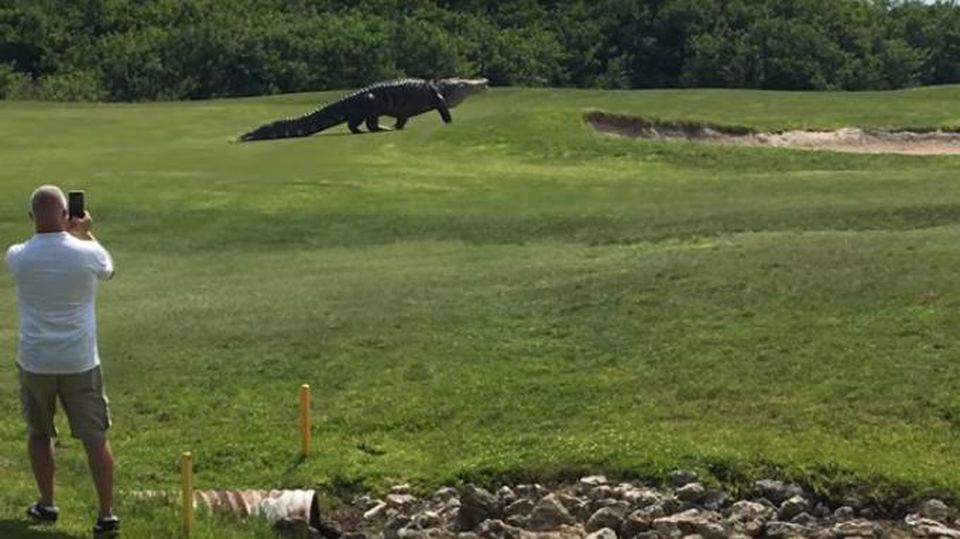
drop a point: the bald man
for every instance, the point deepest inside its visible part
(56, 274)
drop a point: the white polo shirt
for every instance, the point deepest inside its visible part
(56, 279)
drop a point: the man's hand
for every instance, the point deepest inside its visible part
(81, 227)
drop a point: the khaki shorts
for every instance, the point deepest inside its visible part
(82, 396)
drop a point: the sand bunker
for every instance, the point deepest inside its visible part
(851, 139)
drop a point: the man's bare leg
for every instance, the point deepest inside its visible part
(100, 458)
(40, 447)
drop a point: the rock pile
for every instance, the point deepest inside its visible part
(596, 508)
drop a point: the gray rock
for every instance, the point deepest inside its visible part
(749, 518)
(534, 491)
(588, 483)
(577, 507)
(866, 513)
(630, 494)
(689, 522)
(925, 527)
(768, 503)
(570, 501)
(497, 529)
(564, 532)
(713, 500)
(750, 510)
(855, 502)
(400, 489)
(520, 521)
(777, 491)
(821, 510)
(644, 497)
(548, 514)
(856, 528)
(691, 492)
(671, 505)
(450, 517)
(793, 507)
(427, 519)
(476, 505)
(844, 513)
(376, 511)
(651, 534)
(942, 532)
(679, 478)
(712, 530)
(393, 526)
(452, 503)
(783, 530)
(804, 519)
(365, 502)
(651, 512)
(608, 517)
(401, 500)
(635, 523)
(523, 506)
(935, 510)
(430, 533)
(613, 503)
(600, 492)
(444, 494)
(506, 495)
(603, 533)
(467, 535)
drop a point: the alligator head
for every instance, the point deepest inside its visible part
(456, 90)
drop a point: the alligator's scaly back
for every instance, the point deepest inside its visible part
(401, 99)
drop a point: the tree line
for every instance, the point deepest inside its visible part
(131, 50)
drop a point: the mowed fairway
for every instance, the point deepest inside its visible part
(510, 296)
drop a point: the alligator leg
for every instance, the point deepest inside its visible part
(401, 122)
(441, 105)
(354, 125)
(373, 124)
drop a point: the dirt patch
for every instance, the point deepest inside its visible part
(849, 139)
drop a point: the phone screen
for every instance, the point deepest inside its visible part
(76, 204)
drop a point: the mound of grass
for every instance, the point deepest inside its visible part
(510, 296)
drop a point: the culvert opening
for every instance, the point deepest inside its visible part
(849, 139)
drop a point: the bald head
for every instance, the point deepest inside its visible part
(48, 209)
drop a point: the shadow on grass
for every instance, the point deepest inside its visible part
(21, 529)
(295, 463)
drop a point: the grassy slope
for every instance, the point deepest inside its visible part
(510, 295)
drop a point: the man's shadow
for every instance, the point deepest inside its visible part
(21, 529)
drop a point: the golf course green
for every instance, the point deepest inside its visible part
(510, 296)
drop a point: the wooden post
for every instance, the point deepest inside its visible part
(304, 420)
(186, 492)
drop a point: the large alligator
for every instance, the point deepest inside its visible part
(401, 99)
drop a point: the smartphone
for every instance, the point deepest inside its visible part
(76, 204)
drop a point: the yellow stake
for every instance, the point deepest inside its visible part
(304, 420)
(186, 492)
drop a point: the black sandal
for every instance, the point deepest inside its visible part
(46, 514)
(107, 527)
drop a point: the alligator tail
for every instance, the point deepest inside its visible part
(302, 126)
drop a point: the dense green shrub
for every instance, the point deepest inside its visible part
(11, 82)
(191, 49)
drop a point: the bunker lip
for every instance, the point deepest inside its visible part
(923, 141)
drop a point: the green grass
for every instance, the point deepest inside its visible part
(511, 296)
